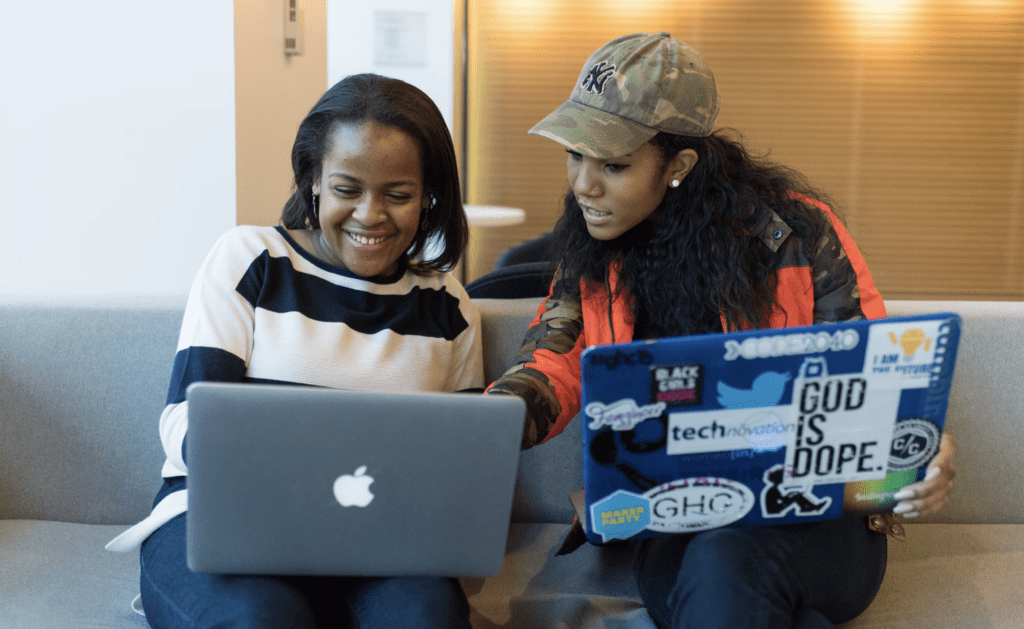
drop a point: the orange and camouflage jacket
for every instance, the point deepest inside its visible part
(833, 286)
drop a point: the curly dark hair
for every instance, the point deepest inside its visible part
(699, 259)
(392, 103)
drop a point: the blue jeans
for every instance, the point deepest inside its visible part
(798, 576)
(173, 596)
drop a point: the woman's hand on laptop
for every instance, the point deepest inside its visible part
(928, 495)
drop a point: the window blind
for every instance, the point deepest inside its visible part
(910, 114)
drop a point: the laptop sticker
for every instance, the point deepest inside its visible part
(906, 352)
(759, 429)
(843, 425)
(914, 442)
(766, 390)
(689, 505)
(621, 415)
(677, 385)
(780, 496)
(621, 515)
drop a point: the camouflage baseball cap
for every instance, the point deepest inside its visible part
(630, 89)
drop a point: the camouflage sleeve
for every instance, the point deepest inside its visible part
(843, 287)
(546, 373)
(841, 278)
(836, 294)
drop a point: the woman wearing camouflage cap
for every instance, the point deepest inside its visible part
(676, 229)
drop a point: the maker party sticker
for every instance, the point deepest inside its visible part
(620, 515)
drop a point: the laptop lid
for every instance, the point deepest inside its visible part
(763, 426)
(299, 480)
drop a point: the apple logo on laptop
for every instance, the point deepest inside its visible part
(353, 490)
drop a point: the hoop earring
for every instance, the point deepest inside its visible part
(424, 225)
(315, 214)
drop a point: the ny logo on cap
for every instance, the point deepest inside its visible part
(595, 79)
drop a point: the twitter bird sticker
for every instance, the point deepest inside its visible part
(766, 390)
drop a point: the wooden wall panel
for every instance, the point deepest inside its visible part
(910, 114)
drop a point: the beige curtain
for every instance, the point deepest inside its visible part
(909, 113)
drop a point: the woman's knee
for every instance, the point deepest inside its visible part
(174, 596)
(225, 601)
(418, 602)
(717, 579)
(723, 555)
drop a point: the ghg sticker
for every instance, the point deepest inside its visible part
(697, 504)
(914, 442)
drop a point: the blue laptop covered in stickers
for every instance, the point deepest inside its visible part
(761, 427)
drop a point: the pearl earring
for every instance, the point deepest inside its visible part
(675, 183)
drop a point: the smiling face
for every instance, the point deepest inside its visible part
(371, 194)
(617, 194)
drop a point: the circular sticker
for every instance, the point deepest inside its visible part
(914, 442)
(688, 505)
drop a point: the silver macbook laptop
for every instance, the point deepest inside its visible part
(298, 480)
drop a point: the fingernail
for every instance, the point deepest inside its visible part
(904, 494)
(903, 508)
(932, 473)
(911, 514)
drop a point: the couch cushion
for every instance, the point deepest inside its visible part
(951, 576)
(58, 575)
(82, 386)
(592, 588)
(503, 324)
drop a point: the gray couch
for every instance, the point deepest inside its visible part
(82, 386)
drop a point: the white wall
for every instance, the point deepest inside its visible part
(117, 170)
(118, 128)
(273, 93)
(355, 37)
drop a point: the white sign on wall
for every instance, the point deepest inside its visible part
(412, 40)
(400, 39)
